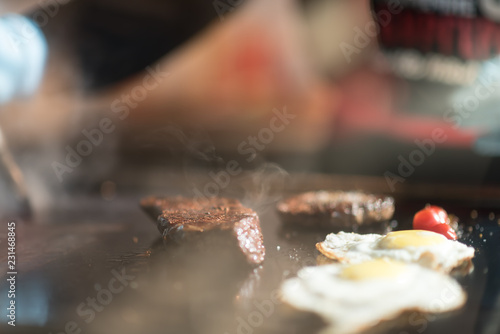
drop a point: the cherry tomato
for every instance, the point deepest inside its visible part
(428, 217)
(442, 214)
(434, 218)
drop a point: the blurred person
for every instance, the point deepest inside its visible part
(229, 79)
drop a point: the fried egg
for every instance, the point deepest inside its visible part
(355, 297)
(426, 248)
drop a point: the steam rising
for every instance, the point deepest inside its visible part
(257, 185)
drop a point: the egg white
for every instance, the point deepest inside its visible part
(355, 248)
(352, 306)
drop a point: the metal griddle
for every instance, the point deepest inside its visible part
(64, 254)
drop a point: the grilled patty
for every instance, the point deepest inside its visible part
(209, 222)
(336, 209)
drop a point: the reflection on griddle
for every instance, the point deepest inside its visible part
(198, 286)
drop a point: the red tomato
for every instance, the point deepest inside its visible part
(442, 214)
(428, 217)
(434, 218)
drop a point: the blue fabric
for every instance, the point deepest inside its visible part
(23, 52)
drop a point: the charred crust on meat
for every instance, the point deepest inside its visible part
(336, 209)
(180, 218)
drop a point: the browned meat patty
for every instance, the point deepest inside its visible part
(336, 209)
(215, 221)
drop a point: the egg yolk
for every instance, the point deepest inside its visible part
(410, 238)
(379, 268)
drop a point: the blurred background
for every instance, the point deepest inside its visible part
(136, 91)
(253, 99)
